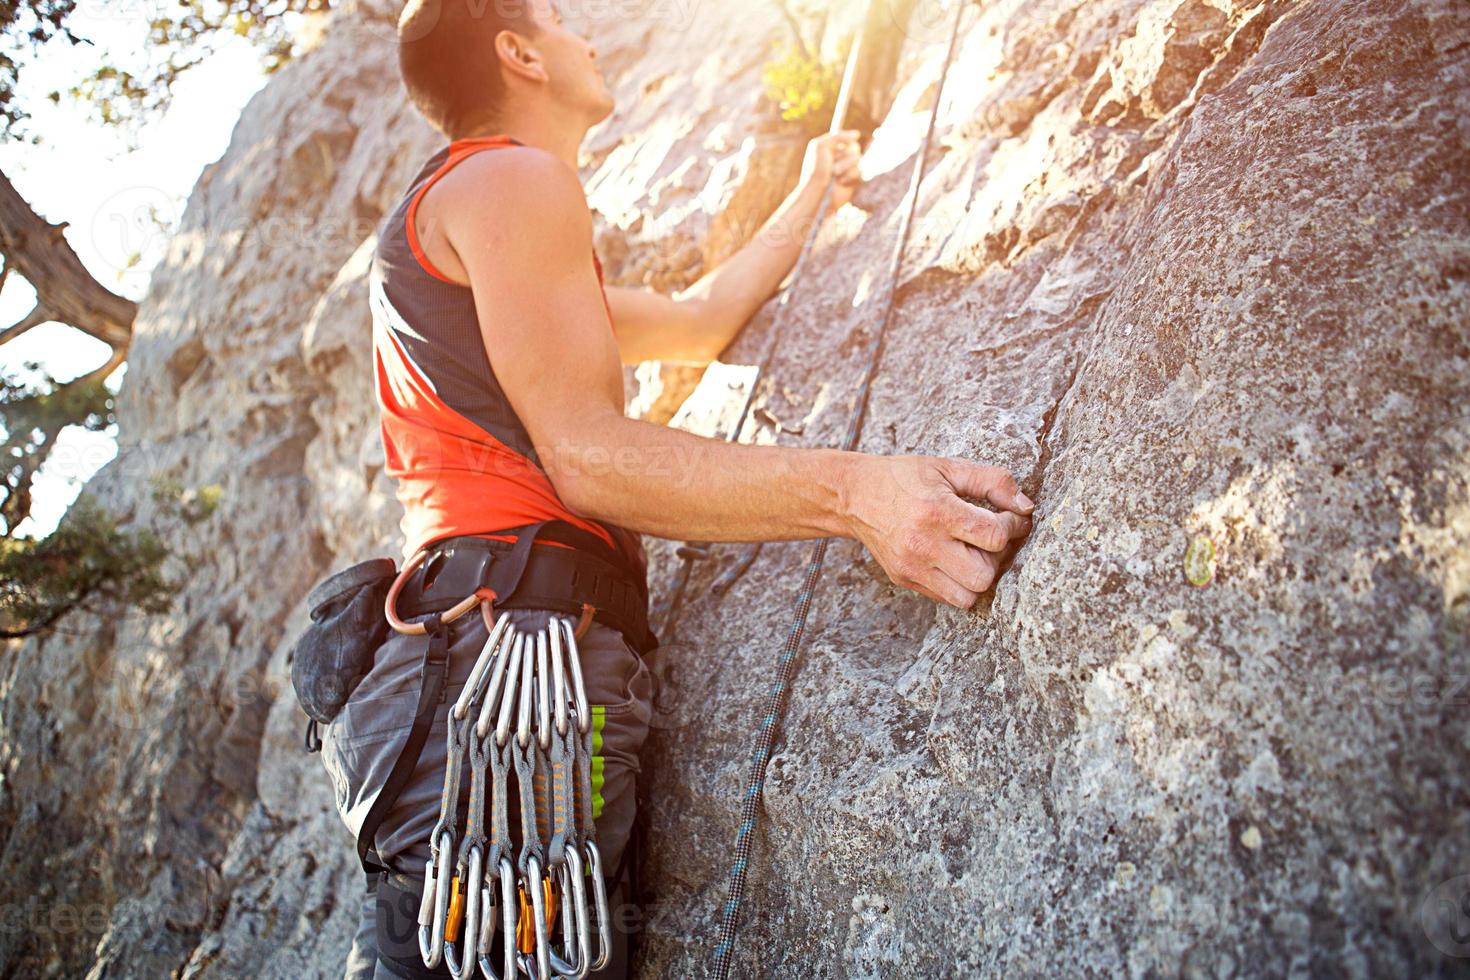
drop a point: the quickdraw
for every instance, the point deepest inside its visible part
(523, 709)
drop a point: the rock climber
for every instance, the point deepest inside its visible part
(498, 370)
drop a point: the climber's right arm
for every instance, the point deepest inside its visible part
(525, 238)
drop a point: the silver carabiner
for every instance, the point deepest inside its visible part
(560, 968)
(538, 909)
(497, 680)
(561, 695)
(474, 884)
(426, 911)
(482, 662)
(523, 719)
(487, 912)
(579, 690)
(431, 937)
(599, 895)
(543, 692)
(575, 924)
(506, 874)
(508, 699)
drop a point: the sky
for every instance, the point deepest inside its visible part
(94, 178)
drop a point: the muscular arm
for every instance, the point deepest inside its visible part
(526, 243)
(520, 225)
(700, 321)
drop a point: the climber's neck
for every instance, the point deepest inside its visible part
(557, 133)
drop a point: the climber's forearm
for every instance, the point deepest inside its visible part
(696, 324)
(700, 321)
(672, 484)
(730, 294)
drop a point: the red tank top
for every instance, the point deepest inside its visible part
(463, 461)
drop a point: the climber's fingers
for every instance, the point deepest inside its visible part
(988, 530)
(847, 156)
(836, 154)
(989, 483)
(969, 568)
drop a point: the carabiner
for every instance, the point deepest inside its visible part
(498, 677)
(474, 884)
(560, 694)
(506, 874)
(543, 692)
(575, 927)
(508, 699)
(536, 885)
(426, 910)
(390, 604)
(528, 680)
(431, 936)
(579, 690)
(599, 895)
(488, 652)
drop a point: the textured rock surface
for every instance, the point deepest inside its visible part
(1193, 270)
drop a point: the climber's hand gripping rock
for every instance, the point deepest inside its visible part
(913, 514)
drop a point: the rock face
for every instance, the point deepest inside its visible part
(1195, 270)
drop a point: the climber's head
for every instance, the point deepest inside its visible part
(472, 65)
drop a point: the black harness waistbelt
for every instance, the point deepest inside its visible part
(549, 577)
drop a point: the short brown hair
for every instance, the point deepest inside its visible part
(446, 53)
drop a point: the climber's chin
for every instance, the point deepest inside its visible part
(605, 109)
(603, 102)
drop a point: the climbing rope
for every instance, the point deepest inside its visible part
(523, 709)
(786, 663)
(692, 551)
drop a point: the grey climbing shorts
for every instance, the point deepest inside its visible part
(360, 746)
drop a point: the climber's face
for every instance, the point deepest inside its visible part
(573, 76)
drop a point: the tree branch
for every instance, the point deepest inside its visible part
(49, 620)
(118, 355)
(795, 26)
(36, 249)
(38, 315)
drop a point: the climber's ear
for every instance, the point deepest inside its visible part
(519, 57)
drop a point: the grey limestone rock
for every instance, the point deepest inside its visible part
(1195, 270)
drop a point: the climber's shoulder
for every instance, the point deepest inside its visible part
(520, 188)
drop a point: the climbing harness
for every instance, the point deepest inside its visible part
(522, 708)
(786, 664)
(691, 551)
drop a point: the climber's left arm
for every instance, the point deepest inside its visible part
(698, 322)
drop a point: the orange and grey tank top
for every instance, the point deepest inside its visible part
(463, 461)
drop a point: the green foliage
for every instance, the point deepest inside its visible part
(190, 506)
(32, 413)
(91, 563)
(180, 35)
(33, 23)
(803, 86)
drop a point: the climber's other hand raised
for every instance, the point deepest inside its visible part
(834, 155)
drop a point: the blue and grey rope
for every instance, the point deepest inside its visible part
(692, 551)
(786, 665)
